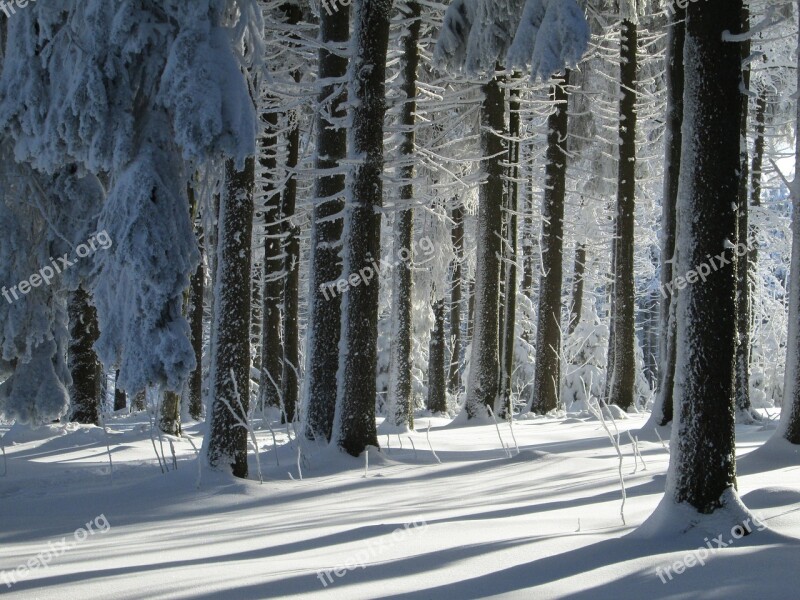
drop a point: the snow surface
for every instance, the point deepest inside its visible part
(542, 524)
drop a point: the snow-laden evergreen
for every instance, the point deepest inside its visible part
(137, 93)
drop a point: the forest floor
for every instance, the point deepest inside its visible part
(542, 523)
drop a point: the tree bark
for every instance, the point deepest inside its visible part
(271, 387)
(510, 267)
(624, 373)
(291, 237)
(120, 397)
(170, 417)
(663, 408)
(743, 311)
(484, 380)
(579, 269)
(457, 237)
(139, 401)
(702, 459)
(227, 440)
(789, 427)
(437, 391)
(355, 402)
(547, 375)
(323, 331)
(85, 369)
(402, 321)
(196, 294)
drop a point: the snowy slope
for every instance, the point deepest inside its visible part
(541, 524)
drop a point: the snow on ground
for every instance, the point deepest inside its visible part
(544, 523)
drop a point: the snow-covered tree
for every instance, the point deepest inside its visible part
(702, 470)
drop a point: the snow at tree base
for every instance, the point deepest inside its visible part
(371, 299)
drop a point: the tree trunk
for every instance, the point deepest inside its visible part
(756, 171)
(576, 309)
(196, 294)
(790, 414)
(527, 246)
(758, 147)
(470, 311)
(291, 237)
(547, 375)
(437, 392)
(510, 268)
(324, 322)
(624, 374)
(702, 460)
(355, 401)
(120, 397)
(170, 417)
(85, 369)
(676, 36)
(457, 237)
(230, 366)
(139, 401)
(484, 378)
(744, 411)
(271, 343)
(402, 321)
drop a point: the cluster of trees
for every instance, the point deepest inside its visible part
(245, 155)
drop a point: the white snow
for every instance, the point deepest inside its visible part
(542, 524)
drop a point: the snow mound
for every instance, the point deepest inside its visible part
(671, 519)
(25, 434)
(772, 497)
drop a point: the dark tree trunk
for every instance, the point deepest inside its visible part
(676, 36)
(271, 342)
(547, 376)
(470, 310)
(702, 456)
(484, 380)
(577, 287)
(355, 402)
(196, 322)
(624, 374)
(529, 240)
(324, 324)
(196, 294)
(404, 227)
(227, 439)
(457, 237)
(743, 311)
(139, 401)
(170, 417)
(437, 392)
(527, 248)
(756, 173)
(612, 321)
(120, 397)
(758, 147)
(510, 269)
(402, 318)
(85, 369)
(291, 237)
